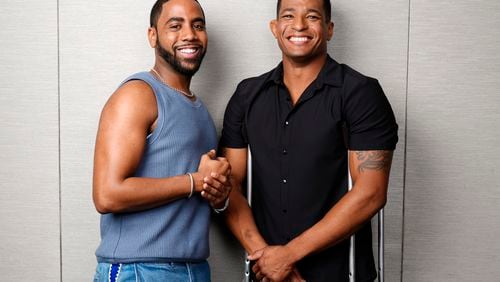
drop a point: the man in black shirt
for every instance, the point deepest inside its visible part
(305, 122)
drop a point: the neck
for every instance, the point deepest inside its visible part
(298, 75)
(172, 77)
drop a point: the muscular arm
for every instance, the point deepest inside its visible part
(238, 216)
(126, 120)
(370, 173)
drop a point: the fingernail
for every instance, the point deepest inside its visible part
(213, 174)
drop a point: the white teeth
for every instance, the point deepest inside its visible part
(298, 39)
(187, 51)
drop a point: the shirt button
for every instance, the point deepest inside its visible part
(287, 123)
(285, 152)
(285, 211)
(284, 181)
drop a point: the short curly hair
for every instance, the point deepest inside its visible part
(327, 6)
(156, 11)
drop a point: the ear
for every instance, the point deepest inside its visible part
(330, 28)
(152, 37)
(272, 26)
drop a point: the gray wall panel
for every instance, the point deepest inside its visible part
(101, 44)
(372, 37)
(29, 171)
(452, 194)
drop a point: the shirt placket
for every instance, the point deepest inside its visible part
(286, 131)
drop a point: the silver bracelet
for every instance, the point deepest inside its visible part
(192, 184)
(226, 204)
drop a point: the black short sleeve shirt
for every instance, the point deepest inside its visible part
(300, 157)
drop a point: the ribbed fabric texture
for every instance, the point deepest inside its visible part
(177, 231)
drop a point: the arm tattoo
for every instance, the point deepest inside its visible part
(375, 160)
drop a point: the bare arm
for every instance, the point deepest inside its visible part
(370, 173)
(238, 216)
(126, 120)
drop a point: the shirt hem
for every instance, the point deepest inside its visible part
(150, 260)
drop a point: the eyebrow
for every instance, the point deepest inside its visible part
(287, 10)
(293, 10)
(199, 20)
(175, 19)
(179, 19)
(313, 11)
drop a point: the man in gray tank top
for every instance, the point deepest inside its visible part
(156, 174)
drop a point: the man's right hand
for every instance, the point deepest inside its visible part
(209, 165)
(216, 185)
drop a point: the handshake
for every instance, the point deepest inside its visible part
(212, 180)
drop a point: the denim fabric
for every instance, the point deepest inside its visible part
(152, 272)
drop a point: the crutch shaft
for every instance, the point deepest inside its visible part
(249, 199)
(381, 245)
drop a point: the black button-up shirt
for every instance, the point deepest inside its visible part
(300, 157)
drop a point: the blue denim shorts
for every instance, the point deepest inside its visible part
(151, 272)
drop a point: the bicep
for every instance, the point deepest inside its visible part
(370, 167)
(122, 132)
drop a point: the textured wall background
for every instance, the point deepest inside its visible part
(438, 62)
(452, 191)
(29, 142)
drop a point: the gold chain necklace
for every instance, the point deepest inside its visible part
(189, 95)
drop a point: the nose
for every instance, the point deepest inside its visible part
(189, 34)
(299, 24)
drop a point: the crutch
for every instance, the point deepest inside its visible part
(381, 245)
(249, 199)
(352, 245)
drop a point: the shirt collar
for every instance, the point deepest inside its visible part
(331, 74)
(276, 75)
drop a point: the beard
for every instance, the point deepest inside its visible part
(177, 64)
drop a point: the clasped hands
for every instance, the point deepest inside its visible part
(215, 184)
(275, 263)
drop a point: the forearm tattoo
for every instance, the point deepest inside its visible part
(374, 160)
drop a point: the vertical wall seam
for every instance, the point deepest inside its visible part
(405, 155)
(59, 138)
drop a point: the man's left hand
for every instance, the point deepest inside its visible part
(273, 262)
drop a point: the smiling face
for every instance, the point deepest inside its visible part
(302, 29)
(179, 36)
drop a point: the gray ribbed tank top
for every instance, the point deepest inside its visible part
(177, 231)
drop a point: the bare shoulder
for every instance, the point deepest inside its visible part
(135, 93)
(134, 99)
